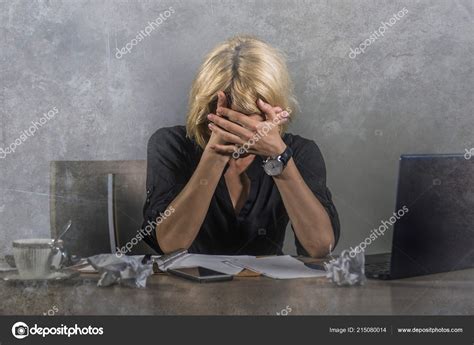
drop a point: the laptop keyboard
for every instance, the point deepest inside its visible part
(378, 267)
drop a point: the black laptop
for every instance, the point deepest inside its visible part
(437, 234)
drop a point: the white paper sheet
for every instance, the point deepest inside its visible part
(278, 267)
(219, 263)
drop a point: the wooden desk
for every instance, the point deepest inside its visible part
(440, 294)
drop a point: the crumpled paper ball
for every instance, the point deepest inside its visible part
(347, 270)
(124, 270)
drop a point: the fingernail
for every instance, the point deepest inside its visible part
(285, 114)
(209, 116)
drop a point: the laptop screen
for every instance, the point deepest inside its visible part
(437, 232)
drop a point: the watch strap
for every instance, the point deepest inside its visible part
(286, 156)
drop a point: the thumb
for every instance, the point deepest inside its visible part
(221, 100)
(267, 109)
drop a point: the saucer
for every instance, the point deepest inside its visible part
(57, 275)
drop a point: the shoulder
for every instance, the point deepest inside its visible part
(308, 158)
(171, 139)
(167, 135)
(170, 144)
(302, 146)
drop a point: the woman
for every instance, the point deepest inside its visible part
(232, 177)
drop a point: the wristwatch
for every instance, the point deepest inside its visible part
(275, 166)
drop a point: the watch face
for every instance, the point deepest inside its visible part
(273, 167)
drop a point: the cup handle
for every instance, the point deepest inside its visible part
(58, 257)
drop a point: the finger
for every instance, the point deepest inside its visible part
(237, 117)
(230, 126)
(277, 121)
(224, 149)
(281, 118)
(267, 109)
(228, 137)
(261, 117)
(257, 117)
(252, 152)
(221, 99)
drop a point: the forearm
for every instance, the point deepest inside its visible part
(191, 205)
(308, 216)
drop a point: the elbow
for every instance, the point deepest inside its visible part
(316, 252)
(169, 245)
(321, 248)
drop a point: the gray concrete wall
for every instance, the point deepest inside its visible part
(410, 92)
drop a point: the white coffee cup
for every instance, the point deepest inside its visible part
(37, 258)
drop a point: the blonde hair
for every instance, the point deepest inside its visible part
(246, 69)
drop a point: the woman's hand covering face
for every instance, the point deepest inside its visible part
(237, 134)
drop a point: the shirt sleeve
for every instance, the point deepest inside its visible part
(310, 163)
(166, 178)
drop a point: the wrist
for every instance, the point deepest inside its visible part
(278, 149)
(215, 156)
(275, 165)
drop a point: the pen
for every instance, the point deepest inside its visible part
(163, 262)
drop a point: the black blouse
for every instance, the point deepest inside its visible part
(259, 228)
